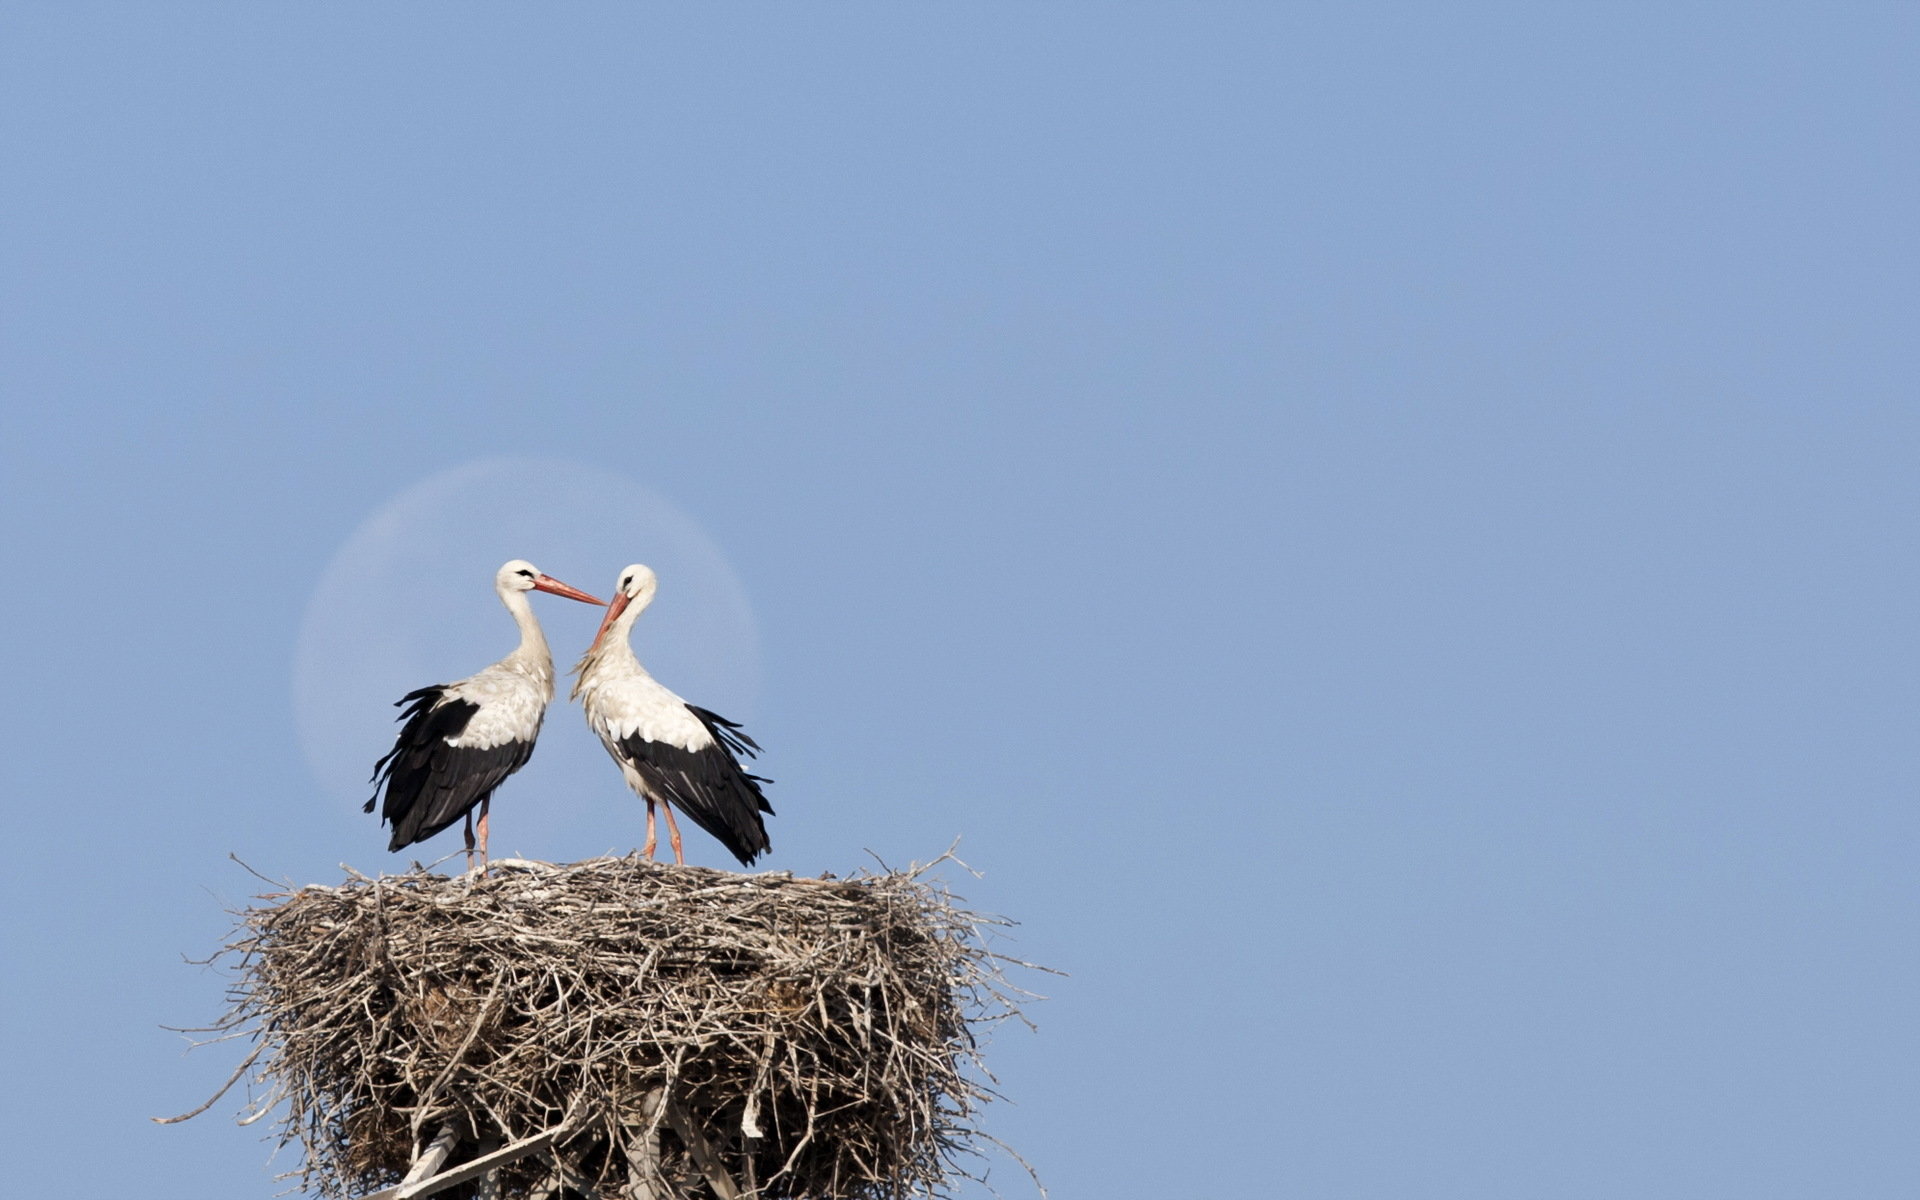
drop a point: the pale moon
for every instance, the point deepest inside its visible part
(408, 601)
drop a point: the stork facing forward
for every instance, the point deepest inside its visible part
(461, 740)
(672, 753)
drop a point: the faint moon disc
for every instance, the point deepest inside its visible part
(408, 601)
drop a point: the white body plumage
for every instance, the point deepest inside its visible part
(512, 696)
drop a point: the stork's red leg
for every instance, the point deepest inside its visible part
(673, 831)
(651, 840)
(484, 805)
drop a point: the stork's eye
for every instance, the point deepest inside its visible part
(527, 573)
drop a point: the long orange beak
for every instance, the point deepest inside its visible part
(614, 610)
(547, 583)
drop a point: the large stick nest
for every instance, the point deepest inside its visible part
(820, 1033)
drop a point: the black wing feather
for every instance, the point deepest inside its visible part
(709, 785)
(429, 784)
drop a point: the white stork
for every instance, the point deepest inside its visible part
(461, 740)
(671, 752)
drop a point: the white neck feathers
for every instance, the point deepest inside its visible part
(614, 652)
(531, 655)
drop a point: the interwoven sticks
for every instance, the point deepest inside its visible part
(689, 1031)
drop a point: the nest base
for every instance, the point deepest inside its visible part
(617, 1027)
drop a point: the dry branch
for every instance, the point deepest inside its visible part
(671, 1031)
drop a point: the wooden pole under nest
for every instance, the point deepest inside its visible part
(425, 1178)
(429, 1173)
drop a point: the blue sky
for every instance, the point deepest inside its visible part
(1386, 529)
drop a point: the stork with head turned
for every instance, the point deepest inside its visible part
(672, 753)
(461, 740)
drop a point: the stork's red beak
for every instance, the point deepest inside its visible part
(547, 583)
(619, 605)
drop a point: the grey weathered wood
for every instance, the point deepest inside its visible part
(643, 1151)
(489, 1188)
(704, 1155)
(435, 1154)
(413, 1188)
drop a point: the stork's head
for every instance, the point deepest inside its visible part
(634, 591)
(637, 584)
(522, 576)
